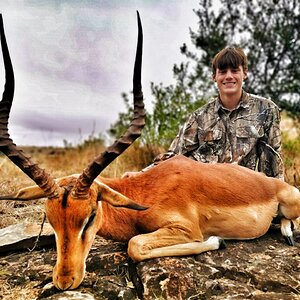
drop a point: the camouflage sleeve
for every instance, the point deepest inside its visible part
(185, 141)
(270, 161)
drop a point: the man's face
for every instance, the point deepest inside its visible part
(230, 81)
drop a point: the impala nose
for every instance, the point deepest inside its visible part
(66, 277)
(64, 282)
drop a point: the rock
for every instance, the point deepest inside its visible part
(25, 236)
(71, 295)
(244, 270)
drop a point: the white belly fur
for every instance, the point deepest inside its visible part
(239, 222)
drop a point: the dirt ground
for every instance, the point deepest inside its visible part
(265, 268)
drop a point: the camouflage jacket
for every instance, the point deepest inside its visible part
(249, 135)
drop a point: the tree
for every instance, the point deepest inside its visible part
(267, 30)
(171, 108)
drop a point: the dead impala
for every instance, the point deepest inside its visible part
(191, 206)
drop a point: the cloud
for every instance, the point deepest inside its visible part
(73, 59)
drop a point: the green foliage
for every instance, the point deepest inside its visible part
(290, 151)
(267, 30)
(290, 147)
(89, 141)
(118, 128)
(172, 106)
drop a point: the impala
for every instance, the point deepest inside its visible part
(180, 207)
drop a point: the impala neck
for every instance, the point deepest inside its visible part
(117, 223)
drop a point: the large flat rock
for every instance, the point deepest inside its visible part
(25, 236)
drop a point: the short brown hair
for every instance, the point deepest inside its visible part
(229, 57)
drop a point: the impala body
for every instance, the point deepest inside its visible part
(180, 207)
(192, 207)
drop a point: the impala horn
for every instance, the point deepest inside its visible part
(7, 147)
(85, 180)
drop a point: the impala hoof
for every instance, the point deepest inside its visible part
(290, 241)
(222, 244)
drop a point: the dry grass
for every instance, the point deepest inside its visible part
(12, 179)
(290, 128)
(59, 162)
(291, 157)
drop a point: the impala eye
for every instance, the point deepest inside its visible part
(90, 221)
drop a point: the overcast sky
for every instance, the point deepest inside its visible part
(73, 59)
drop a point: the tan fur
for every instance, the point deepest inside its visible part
(190, 207)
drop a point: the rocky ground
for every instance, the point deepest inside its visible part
(265, 268)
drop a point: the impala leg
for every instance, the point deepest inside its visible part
(169, 242)
(286, 230)
(296, 224)
(289, 203)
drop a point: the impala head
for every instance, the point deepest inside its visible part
(73, 206)
(75, 223)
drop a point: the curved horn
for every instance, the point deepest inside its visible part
(133, 132)
(39, 176)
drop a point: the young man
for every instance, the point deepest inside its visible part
(235, 127)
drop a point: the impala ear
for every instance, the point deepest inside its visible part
(114, 198)
(25, 194)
